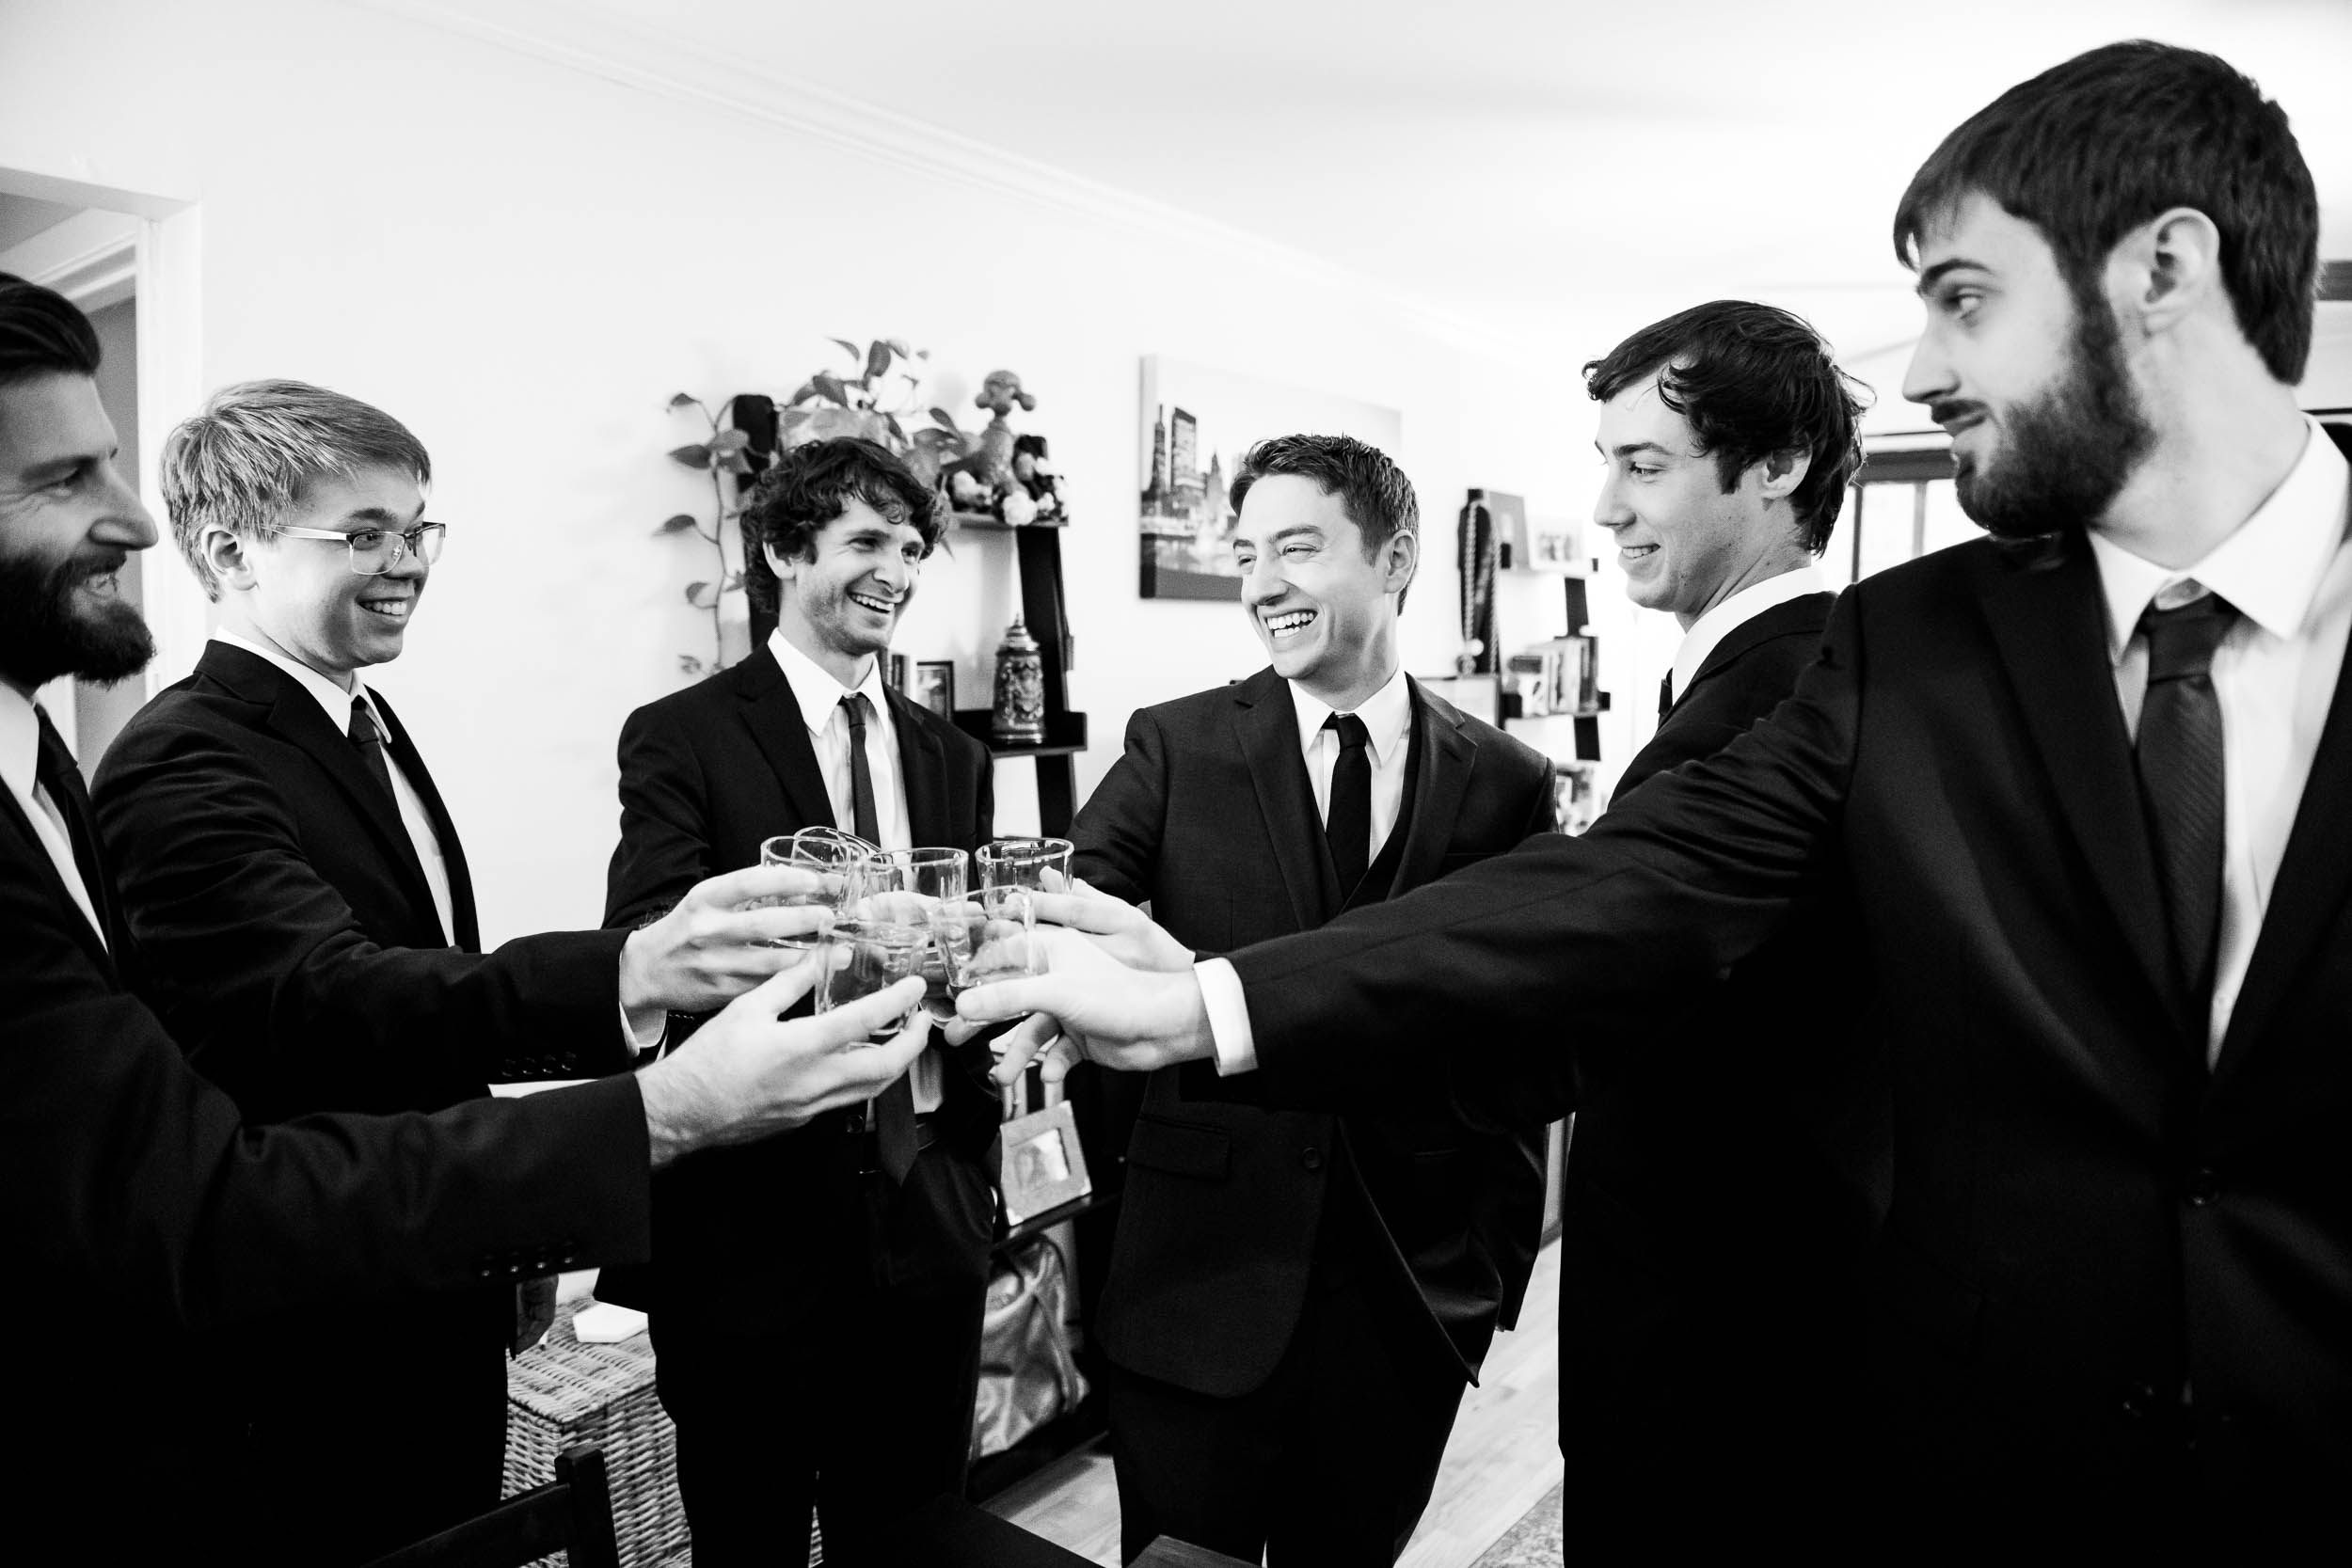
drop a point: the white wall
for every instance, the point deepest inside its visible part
(523, 261)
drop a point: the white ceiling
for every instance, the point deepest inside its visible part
(1496, 158)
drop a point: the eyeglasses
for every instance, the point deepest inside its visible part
(377, 550)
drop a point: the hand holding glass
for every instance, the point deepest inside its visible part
(828, 855)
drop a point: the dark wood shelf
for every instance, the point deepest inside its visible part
(1065, 733)
(1037, 1225)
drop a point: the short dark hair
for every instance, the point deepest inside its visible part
(43, 333)
(812, 484)
(1372, 490)
(2110, 139)
(1751, 381)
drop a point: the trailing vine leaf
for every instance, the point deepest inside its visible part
(733, 579)
(695, 455)
(808, 391)
(877, 359)
(690, 664)
(899, 347)
(829, 386)
(734, 463)
(731, 440)
(701, 595)
(896, 428)
(940, 417)
(684, 400)
(850, 348)
(679, 523)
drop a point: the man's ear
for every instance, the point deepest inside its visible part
(783, 565)
(1402, 554)
(2166, 269)
(1783, 471)
(229, 558)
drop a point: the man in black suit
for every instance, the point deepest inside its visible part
(816, 1299)
(1729, 438)
(2082, 781)
(1296, 1299)
(140, 1209)
(306, 924)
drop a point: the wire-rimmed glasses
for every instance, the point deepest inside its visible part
(377, 551)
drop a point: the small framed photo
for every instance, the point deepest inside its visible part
(1044, 1167)
(935, 686)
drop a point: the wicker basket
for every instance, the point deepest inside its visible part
(566, 1392)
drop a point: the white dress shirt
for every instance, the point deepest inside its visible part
(2288, 571)
(818, 696)
(1744, 606)
(1388, 716)
(19, 764)
(337, 702)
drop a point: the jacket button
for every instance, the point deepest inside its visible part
(1312, 1159)
(2203, 1188)
(2140, 1403)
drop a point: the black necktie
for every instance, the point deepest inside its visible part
(860, 772)
(1665, 695)
(55, 770)
(370, 741)
(895, 1138)
(2179, 752)
(1347, 825)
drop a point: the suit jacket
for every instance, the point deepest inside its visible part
(140, 1209)
(707, 775)
(1716, 1206)
(2084, 1221)
(288, 936)
(1211, 817)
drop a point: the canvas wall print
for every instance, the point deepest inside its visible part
(1197, 423)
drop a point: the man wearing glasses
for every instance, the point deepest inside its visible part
(306, 928)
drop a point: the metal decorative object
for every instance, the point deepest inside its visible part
(1019, 718)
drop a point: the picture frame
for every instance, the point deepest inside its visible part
(1045, 1168)
(935, 686)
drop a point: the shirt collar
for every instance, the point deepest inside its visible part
(333, 698)
(813, 685)
(1709, 629)
(19, 742)
(2269, 569)
(1387, 714)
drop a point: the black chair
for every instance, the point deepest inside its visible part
(572, 1514)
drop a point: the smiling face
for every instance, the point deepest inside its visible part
(1324, 608)
(840, 599)
(1685, 544)
(2046, 424)
(66, 524)
(301, 594)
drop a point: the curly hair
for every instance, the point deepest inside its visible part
(809, 487)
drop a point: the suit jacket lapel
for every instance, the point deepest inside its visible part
(2050, 626)
(774, 716)
(36, 854)
(923, 767)
(467, 936)
(1447, 757)
(294, 716)
(1265, 732)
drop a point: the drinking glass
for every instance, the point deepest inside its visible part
(826, 859)
(865, 957)
(1039, 864)
(926, 889)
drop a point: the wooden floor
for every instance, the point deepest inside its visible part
(1503, 1456)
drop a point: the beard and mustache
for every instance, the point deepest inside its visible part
(2069, 450)
(45, 633)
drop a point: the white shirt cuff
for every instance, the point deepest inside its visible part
(651, 1040)
(1229, 1017)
